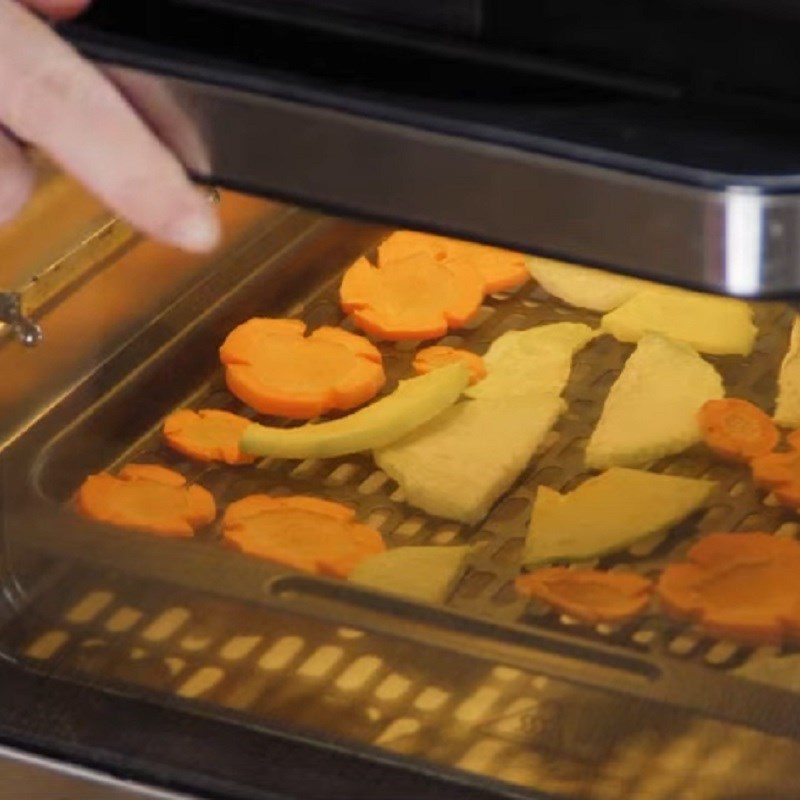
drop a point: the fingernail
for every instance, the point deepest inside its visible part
(198, 231)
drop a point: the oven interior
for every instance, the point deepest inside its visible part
(489, 692)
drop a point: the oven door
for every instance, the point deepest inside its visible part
(673, 171)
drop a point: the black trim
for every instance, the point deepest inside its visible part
(522, 100)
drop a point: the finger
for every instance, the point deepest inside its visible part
(16, 179)
(147, 94)
(58, 9)
(55, 99)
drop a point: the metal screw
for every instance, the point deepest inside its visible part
(26, 331)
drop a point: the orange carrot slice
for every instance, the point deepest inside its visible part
(793, 440)
(776, 469)
(430, 358)
(304, 533)
(737, 430)
(779, 472)
(402, 244)
(271, 365)
(207, 435)
(152, 472)
(148, 498)
(255, 504)
(416, 297)
(500, 269)
(589, 595)
(741, 586)
(788, 494)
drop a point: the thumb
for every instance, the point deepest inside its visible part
(57, 9)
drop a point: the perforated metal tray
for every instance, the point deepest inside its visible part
(116, 419)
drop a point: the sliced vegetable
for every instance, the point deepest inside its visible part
(430, 358)
(207, 435)
(788, 494)
(533, 361)
(500, 269)
(402, 244)
(255, 504)
(304, 533)
(412, 404)
(787, 403)
(148, 498)
(416, 297)
(776, 469)
(651, 410)
(272, 365)
(741, 586)
(779, 472)
(589, 595)
(608, 512)
(737, 430)
(152, 472)
(793, 440)
(584, 287)
(716, 325)
(421, 573)
(458, 464)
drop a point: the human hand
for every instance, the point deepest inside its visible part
(51, 97)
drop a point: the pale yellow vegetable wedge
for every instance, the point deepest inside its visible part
(420, 573)
(651, 410)
(534, 361)
(787, 404)
(608, 512)
(715, 325)
(411, 405)
(459, 464)
(584, 287)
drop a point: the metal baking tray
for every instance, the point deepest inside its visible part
(115, 416)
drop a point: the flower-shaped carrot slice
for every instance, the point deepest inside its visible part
(737, 430)
(271, 365)
(788, 494)
(500, 269)
(430, 358)
(588, 595)
(402, 244)
(148, 498)
(416, 297)
(776, 469)
(207, 435)
(304, 533)
(152, 472)
(741, 586)
(793, 440)
(779, 472)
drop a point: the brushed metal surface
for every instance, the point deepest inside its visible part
(58, 220)
(107, 291)
(738, 240)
